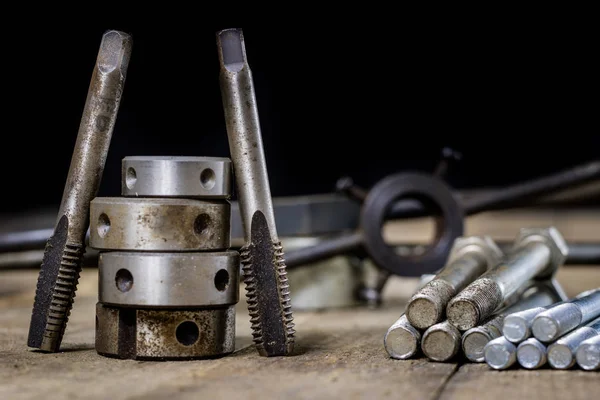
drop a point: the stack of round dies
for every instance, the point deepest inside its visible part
(168, 284)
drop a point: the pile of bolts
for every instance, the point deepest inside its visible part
(501, 309)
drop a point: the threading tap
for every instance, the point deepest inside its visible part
(562, 319)
(470, 257)
(263, 264)
(562, 353)
(63, 255)
(537, 253)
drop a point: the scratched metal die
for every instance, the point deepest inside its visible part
(160, 335)
(159, 224)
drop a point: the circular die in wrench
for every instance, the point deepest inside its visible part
(168, 176)
(157, 280)
(145, 224)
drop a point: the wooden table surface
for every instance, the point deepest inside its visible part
(339, 354)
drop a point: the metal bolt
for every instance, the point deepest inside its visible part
(537, 253)
(561, 354)
(588, 354)
(562, 319)
(475, 339)
(402, 340)
(441, 342)
(531, 354)
(61, 265)
(500, 353)
(517, 326)
(470, 257)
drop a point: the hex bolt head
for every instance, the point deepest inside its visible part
(553, 239)
(482, 245)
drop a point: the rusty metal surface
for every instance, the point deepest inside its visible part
(193, 279)
(469, 258)
(535, 255)
(165, 334)
(59, 274)
(145, 224)
(170, 176)
(267, 286)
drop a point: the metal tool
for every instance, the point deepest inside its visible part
(499, 353)
(562, 353)
(532, 354)
(469, 258)
(401, 340)
(61, 265)
(588, 354)
(169, 176)
(475, 339)
(537, 254)
(411, 205)
(368, 236)
(164, 334)
(562, 319)
(516, 195)
(176, 280)
(167, 306)
(169, 290)
(267, 287)
(159, 224)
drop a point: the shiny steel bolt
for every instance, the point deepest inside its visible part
(61, 264)
(402, 340)
(532, 354)
(265, 275)
(500, 353)
(516, 327)
(470, 257)
(588, 354)
(475, 339)
(537, 253)
(562, 319)
(441, 342)
(561, 354)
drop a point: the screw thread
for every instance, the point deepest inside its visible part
(63, 295)
(476, 302)
(427, 306)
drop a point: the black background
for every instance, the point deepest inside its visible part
(336, 97)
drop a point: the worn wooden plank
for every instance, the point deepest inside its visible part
(340, 353)
(477, 381)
